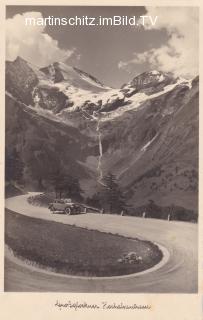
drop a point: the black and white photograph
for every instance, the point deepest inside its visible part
(101, 149)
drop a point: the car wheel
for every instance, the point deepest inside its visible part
(68, 211)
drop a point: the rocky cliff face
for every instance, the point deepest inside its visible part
(148, 82)
(145, 132)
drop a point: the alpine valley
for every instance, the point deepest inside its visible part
(145, 133)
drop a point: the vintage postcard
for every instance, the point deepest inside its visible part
(101, 181)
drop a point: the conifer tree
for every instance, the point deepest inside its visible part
(111, 195)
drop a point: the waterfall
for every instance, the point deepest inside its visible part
(99, 167)
(97, 118)
(36, 97)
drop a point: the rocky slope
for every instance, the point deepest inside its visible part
(146, 132)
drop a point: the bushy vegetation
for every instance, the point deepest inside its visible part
(65, 185)
(153, 210)
(109, 197)
(41, 200)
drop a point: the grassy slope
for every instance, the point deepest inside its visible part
(74, 250)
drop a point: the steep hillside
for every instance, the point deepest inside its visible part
(45, 146)
(154, 149)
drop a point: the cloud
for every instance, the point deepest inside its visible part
(31, 42)
(180, 54)
(122, 65)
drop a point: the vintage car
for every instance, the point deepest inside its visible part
(66, 206)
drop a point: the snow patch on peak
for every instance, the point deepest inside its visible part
(136, 101)
(81, 98)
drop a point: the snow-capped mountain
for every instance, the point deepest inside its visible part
(148, 82)
(60, 89)
(145, 132)
(59, 72)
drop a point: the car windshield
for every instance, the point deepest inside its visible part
(59, 201)
(68, 200)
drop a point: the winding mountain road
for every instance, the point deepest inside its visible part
(178, 275)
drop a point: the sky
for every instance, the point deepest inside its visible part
(113, 54)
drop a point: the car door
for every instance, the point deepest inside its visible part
(61, 205)
(57, 205)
